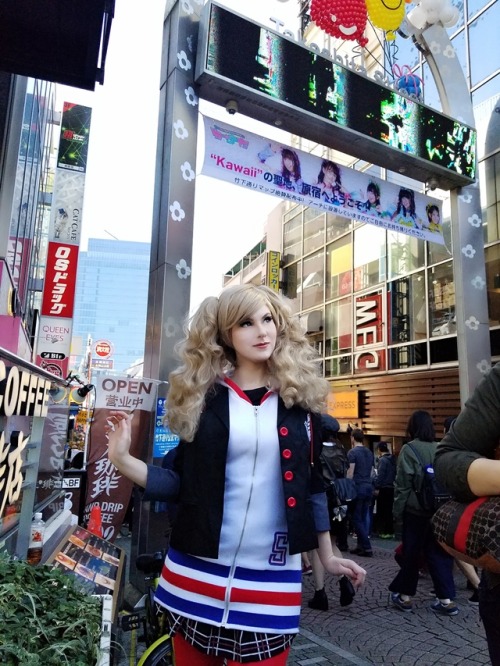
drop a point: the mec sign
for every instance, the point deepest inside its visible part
(103, 349)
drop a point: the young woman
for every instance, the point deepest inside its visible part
(290, 170)
(372, 203)
(245, 401)
(330, 183)
(405, 212)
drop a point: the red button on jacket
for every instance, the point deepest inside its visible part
(291, 501)
(286, 453)
(283, 431)
(288, 475)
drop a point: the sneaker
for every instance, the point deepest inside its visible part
(474, 600)
(396, 601)
(307, 571)
(361, 552)
(444, 609)
(319, 601)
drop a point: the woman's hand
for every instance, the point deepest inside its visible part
(338, 566)
(119, 433)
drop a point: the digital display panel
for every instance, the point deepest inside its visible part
(268, 63)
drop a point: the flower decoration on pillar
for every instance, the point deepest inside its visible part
(344, 19)
(387, 15)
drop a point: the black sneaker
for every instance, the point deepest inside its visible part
(396, 601)
(444, 609)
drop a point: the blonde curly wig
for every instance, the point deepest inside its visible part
(206, 354)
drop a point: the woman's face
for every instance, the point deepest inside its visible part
(254, 339)
(329, 176)
(435, 216)
(288, 162)
(371, 196)
(405, 201)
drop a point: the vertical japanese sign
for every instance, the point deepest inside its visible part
(56, 320)
(273, 269)
(164, 439)
(105, 485)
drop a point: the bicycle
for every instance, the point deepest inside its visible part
(149, 616)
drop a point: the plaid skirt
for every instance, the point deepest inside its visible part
(240, 646)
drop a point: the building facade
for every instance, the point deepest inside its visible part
(379, 305)
(110, 305)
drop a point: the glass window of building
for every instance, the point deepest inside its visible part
(461, 11)
(431, 95)
(407, 316)
(492, 256)
(336, 226)
(369, 256)
(339, 268)
(442, 319)
(340, 365)
(314, 229)
(292, 277)
(338, 327)
(407, 356)
(405, 254)
(313, 280)
(292, 237)
(489, 174)
(436, 253)
(483, 40)
(458, 43)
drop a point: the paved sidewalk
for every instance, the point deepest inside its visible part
(370, 631)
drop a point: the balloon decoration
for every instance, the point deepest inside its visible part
(407, 81)
(428, 12)
(386, 14)
(344, 19)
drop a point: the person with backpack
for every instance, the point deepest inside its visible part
(412, 511)
(384, 490)
(334, 465)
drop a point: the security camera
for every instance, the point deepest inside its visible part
(232, 107)
(432, 183)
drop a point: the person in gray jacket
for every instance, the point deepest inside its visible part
(467, 464)
(417, 535)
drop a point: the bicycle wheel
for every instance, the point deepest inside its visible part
(158, 654)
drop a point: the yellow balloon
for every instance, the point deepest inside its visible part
(386, 14)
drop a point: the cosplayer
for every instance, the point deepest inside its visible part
(246, 403)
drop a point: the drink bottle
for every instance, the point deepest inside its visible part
(36, 539)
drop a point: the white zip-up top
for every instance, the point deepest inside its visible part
(254, 584)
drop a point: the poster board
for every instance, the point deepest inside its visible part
(96, 564)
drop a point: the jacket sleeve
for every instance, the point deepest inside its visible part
(317, 489)
(403, 485)
(474, 434)
(162, 485)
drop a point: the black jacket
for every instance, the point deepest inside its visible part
(201, 466)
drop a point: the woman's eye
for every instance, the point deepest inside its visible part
(246, 323)
(268, 319)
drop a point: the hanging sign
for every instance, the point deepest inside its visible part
(266, 166)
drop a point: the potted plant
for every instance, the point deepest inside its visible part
(46, 620)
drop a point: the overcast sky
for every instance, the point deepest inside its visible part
(120, 174)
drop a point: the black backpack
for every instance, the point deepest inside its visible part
(431, 494)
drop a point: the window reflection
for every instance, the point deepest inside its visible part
(442, 319)
(483, 40)
(341, 365)
(314, 229)
(339, 268)
(369, 257)
(338, 327)
(407, 356)
(407, 309)
(313, 279)
(405, 254)
(292, 238)
(493, 281)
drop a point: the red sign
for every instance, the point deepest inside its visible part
(60, 280)
(103, 349)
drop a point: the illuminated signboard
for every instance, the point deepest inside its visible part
(279, 81)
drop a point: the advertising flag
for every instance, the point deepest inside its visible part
(251, 161)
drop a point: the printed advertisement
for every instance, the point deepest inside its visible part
(266, 166)
(105, 485)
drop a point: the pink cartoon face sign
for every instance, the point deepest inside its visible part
(345, 19)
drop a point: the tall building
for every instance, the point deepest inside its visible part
(111, 304)
(333, 266)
